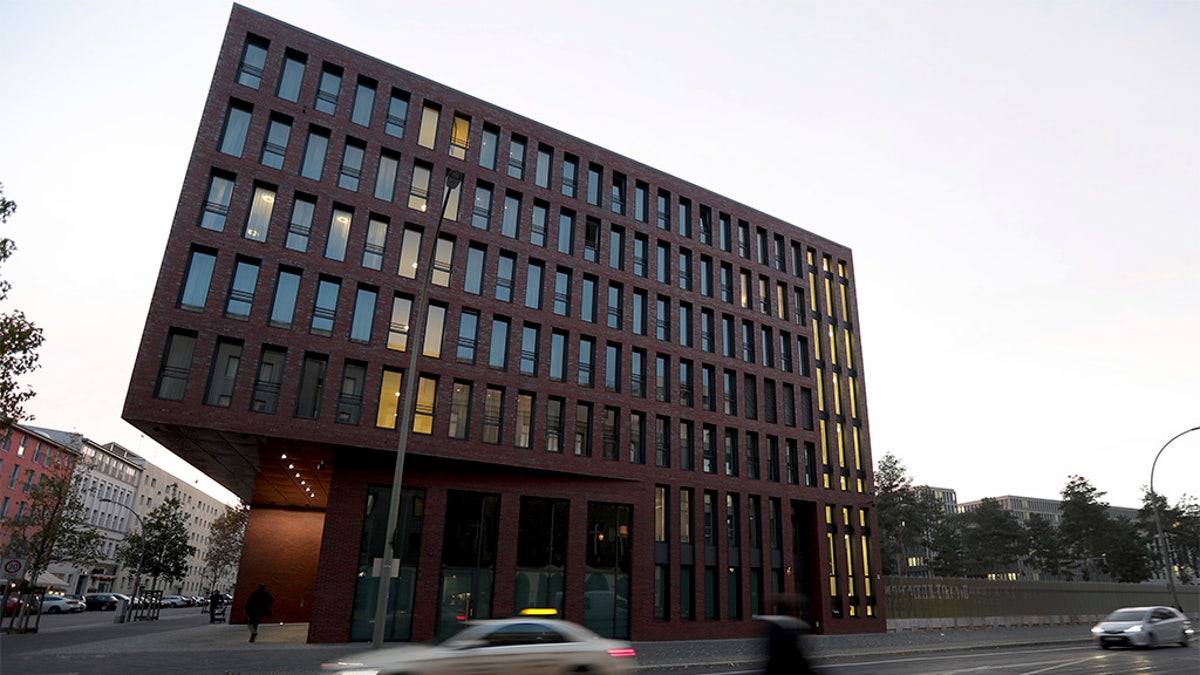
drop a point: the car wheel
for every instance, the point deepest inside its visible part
(1105, 645)
(53, 610)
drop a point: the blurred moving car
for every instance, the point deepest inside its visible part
(1143, 627)
(524, 645)
(60, 604)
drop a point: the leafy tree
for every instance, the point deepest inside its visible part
(1046, 550)
(225, 542)
(53, 527)
(1128, 557)
(947, 554)
(905, 513)
(993, 539)
(19, 339)
(166, 544)
(1085, 522)
(1181, 529)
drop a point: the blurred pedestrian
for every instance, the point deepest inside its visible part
(216, 603)
(785, 631)
(258, 605)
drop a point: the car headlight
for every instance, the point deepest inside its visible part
(1096, 630)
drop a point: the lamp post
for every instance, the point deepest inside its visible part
(137, 582)
(416, 342)
(1162, 540)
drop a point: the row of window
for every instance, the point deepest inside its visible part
(701, 274)
(751, 243)
(551, 422)
(716, 333)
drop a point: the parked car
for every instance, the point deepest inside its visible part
(174, 601)
(518, 645)
(1143, 627)
(13, 604)
(101, 601)
(60, 604)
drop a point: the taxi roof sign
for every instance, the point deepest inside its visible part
(539, 611)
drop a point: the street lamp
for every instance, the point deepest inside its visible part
(416, 342)
(1162, 540)
(137, 580)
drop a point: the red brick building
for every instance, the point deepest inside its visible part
(27, 455)
(638, 401)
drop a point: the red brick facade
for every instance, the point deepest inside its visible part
(766, 309)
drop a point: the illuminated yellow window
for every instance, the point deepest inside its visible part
(833, 346)
(389, 399)
(820, 390)
(849, 340)
(426, 404)
(853, 399)
(837, 395)
(459, 134)
(816, 330)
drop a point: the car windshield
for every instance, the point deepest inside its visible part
(1126, 615)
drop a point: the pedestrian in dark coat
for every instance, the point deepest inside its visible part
(258, 605)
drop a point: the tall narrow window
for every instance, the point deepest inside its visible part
(253, 60)
(427, 134)
(176, 365)
(460, 410)
(523, 433)
(389, 399)
(481, 211)
(539, 223)
(516, 157)
(570, 175)
(312, 383)
(533, 284)
(410, 252)
(224, 373)
(350, 397)
(530, 340)
(350, 172)
(328, 89)
(283, 308)
(493, 410)
(325, 306)
(488, 144)
(511, 220)
(473, 279)
(274, 150)
(562, 292)
(468, 337)
(566, 233)
(300, 224)
(364, 102)
(216, 205)
(199, 275)
(587, 362)
(314, 154)
(426, 405)
(498, 347)
(555, 413)
(292, 77)
(399, 324)
(374, 248)
(265, 398)
(339, 235)
(505, 276)
(541, 174)
(583, 429)
(397, 114)
(364, 314)
(241, 291)
(459, 135)
(259, 221)
(237, 123)
(418, 192)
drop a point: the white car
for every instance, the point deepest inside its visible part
(173, 601)
(57, 604)
(1143, 627)
(520, 645)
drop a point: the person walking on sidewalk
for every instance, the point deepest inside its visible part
(258, 605)
(216, 605)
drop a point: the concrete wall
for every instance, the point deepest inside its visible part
(940, 603)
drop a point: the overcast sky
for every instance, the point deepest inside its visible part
(1018, 181)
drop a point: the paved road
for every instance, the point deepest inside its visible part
(183, 641)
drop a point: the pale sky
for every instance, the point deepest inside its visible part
(1018, 182)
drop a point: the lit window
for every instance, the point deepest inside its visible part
(427, 134)
(460, 410)
(260, 214)
(493, 410)
(339, 235)
(418, 193)
(389, 399)
(459, 136)
(426, 405)
(524, 427)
